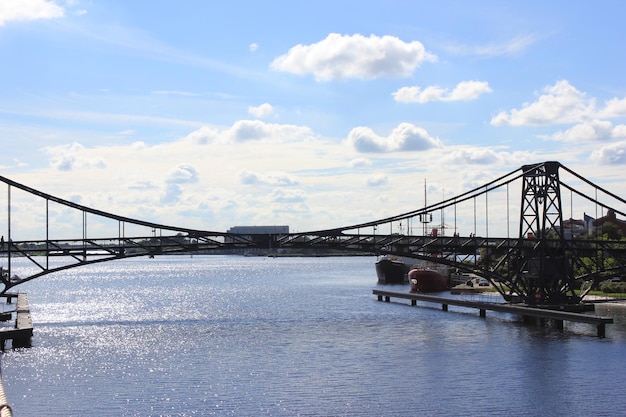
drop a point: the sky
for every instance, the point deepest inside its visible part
(315, 115)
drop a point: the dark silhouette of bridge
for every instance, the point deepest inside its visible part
(548, 261)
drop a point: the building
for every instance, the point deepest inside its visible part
(612, 219)
(574, 229)
(259, 230)
(263, 236)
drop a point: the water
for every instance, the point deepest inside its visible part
(219, 335)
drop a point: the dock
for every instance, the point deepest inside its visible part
(22, 332)
(528, 313)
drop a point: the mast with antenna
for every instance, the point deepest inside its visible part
(425, 217)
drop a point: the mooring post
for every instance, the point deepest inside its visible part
(444, 307)
(483, 312)
(413, 302)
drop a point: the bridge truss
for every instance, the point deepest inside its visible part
(544, 263)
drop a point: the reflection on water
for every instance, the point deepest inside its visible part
(182, 336)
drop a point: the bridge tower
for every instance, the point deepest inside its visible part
(542, 271)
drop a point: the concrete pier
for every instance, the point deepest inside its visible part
(528, 313)
(22, 333)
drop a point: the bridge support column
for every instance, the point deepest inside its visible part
(413, 302)
(483, 312)
(558, 324)
(444, 307)
(380, 297)
(601, 330)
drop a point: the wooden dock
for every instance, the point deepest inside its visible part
(526, 312)
(22, 333)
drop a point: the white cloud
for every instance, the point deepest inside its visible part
(614, 154)
(253, 47)
(619, 132)
(271, 178)
(511, 47)
(143, 185)
(206, 134)
(261, 111)
(250, 131)
(595, 130)
(615, 107)
(73, 156)
(405, 137)
(354, 56)
(282, 195)
(360, 162)
(560, 103)
(377, 180)
(22, 10)
(172, 194)
(464, 91)
(182, 174)
(475, 156)
(476, 159)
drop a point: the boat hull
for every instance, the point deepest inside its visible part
(427, 280)
(391, 271)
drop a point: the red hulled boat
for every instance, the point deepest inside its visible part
(427, 280)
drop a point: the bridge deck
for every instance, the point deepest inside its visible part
(525, 311)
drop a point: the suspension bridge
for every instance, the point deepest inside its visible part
(520, 236)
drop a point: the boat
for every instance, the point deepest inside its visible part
(427, 280)
(392, 270)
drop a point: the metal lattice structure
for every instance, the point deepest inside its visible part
(542, 271)
(544, 264)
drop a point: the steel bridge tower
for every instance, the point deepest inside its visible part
(543, 272)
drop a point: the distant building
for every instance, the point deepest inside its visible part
(259, 230)
(574, 229)
(263, 236)
(612, 219)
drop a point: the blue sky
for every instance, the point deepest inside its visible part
(316, 115)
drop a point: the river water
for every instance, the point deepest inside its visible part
(255, 336)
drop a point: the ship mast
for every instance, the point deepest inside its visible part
(425, 217)
(443, 223)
